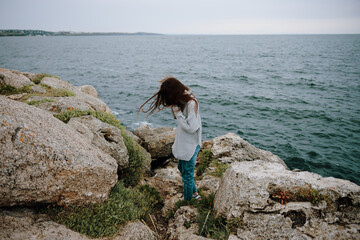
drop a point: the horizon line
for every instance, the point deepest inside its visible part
(139, 32)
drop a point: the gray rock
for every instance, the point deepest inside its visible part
(31, 76)
(24, 224)
(268, 226)
(59, 84)
(134, 137)
(233, 237)
(136, 231)
(183, 226)
(246, 191)
(38, 89)
(157, 141)
(147, 155)
(169, 190)
(231, 148)
(88, 89)
(61, 104)
(85, 96)
(16, 97)
(43, 160)
(104, 136)
(81, 101)
(14, 78)
(209, 184)
(169, 173)
(207, 144)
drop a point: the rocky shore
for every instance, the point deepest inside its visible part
(62, 149)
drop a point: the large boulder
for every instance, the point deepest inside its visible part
(231, 148)
(273, 202)
(104, 136)
(43, 160)
(157, 141)
(14, 78)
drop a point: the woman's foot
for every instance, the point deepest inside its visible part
(196, 196)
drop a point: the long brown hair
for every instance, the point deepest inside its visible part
(171, 93)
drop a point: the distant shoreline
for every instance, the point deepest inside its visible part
(34, 33)
(25, 33)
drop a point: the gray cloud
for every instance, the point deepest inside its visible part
(185, 16)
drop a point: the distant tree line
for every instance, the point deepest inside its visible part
(15, 32)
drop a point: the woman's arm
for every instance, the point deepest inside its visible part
(190, 123)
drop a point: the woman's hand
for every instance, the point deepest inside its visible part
(176, 111)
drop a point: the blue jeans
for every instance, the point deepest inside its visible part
(186, 169)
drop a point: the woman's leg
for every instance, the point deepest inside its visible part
(188, 180)
(187, 173)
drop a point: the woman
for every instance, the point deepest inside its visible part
(185, 108)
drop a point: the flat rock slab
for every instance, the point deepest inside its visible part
(232, 148)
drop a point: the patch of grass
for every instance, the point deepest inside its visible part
(310, 194)
(135, 171)
(56, 92)
(209, 225)
(50, 92)
(65, 116)
(105, 219)
(152, 193)
(10, 90)
(204, 160)
(220, 168)
(39, 77)
(37, 103)
(233, 224)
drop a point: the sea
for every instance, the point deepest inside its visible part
(297, 96)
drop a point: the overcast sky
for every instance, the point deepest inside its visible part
(184, 16)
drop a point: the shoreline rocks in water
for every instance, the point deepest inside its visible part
(46, 161)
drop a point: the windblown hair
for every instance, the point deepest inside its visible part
(172, 93)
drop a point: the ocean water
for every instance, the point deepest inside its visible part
(297, 96)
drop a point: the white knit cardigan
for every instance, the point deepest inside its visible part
(188, 131)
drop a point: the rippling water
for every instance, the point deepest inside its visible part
(297, 96)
